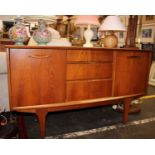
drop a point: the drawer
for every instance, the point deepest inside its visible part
(77, 55)
(77, 90)
(100, 88)
(89, 71)
(88, 55)
(80, 90)
(103, 56)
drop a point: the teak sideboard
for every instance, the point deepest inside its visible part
(46, 79)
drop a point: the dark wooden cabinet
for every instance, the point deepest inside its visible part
(44, 79)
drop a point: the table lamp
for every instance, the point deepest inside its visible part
(111, 24)
(87, 21)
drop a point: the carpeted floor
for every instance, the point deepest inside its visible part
(140, 129)
(81, 123)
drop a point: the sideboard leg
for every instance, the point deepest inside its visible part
(41, 114)
(126, 109)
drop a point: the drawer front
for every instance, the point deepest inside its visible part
(77, 71)
(88, 56)
(77, 55)
(99, 89)
(89, 71)
(103, 56)
(79, 90)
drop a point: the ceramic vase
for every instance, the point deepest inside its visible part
(42, 35)
(18, 32)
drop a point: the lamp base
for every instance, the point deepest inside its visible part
(88, 45)
(88, 35)
(110, 41)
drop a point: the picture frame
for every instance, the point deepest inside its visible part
(148, 34)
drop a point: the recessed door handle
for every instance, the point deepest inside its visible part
(39, 56)
(133, 57)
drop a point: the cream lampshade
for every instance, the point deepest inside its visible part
(111, 24)
(87, 21)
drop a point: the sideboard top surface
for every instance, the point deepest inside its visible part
(73, 48)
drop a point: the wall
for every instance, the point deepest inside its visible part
(145, 32)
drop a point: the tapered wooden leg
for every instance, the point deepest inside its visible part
(41, 114)
(126, 109)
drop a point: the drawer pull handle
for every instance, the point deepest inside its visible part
(133, 56)
(39, 56)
